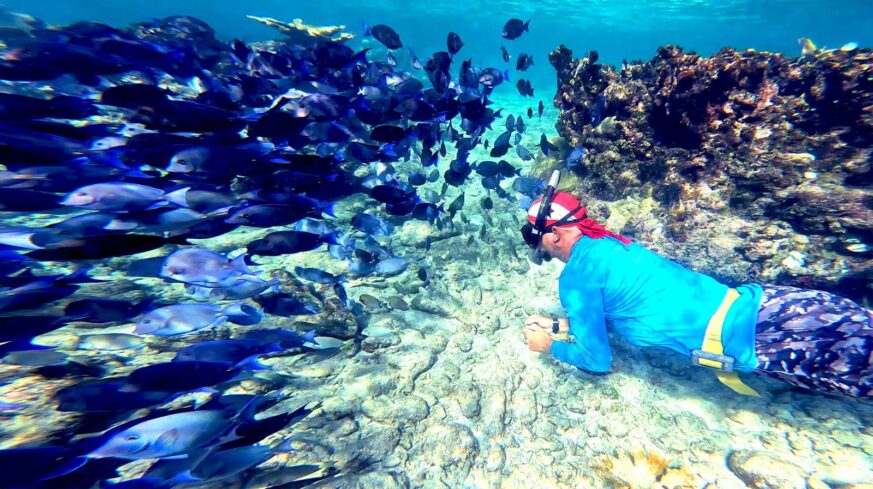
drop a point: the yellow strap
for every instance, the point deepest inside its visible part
(712, 344)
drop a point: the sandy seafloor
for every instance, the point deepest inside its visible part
(446, 395)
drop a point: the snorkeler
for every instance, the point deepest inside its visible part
(808, 338)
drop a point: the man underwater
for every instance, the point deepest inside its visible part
(811, 339)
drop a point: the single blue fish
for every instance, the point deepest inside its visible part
(199, 266)
(371, 224)
(233, 352)
(107, 396)
(181, 376)
(318, 276)
(242, 289)
(283, 337)
(285, 305)
(122, 196)
(167, 436)
(574, 157)
(186, 318)
(528, 186)
(391, 266)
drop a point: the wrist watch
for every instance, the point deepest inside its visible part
(555, 326)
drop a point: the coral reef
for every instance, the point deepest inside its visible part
(760, 165)
(299, 33)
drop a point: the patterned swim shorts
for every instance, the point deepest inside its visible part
(815, 340)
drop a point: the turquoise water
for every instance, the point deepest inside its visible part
(427, 381)
(617, 30)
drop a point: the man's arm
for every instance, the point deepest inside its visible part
(590, 349)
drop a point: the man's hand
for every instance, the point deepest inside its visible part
(545, 323)
(538, 322)
(537, 339)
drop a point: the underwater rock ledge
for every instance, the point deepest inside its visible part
(746, 165)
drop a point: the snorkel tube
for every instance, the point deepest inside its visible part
(536, 255)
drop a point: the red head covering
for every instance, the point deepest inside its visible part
(562, 204)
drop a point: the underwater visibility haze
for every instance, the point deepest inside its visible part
(382, 244)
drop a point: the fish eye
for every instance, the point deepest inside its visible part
(181, 161)
(146, 321)
(80, 194)
(131, 437)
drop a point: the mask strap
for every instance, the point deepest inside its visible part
(567, 219)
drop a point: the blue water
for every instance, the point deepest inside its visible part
(631, 29)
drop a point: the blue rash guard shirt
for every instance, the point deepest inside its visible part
(651, 301)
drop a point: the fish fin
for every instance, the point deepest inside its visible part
(213, 393)
(235, 309)
(328, 209)
(168, 438)
(181, 240)
(79, 276)
(252, 363)
(359, 58)
(247, 413)
(239, 263)
(331, 238)
(218, 321)
(174, 324)
(182, 478)
(88, 79)
(388, 150)
(309, 337)
(71, 466)
(527, 26)
(181, 456)
(119, 225)
(68, 319)
(177, 197)
(156, 205)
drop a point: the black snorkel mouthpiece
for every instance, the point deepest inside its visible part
(533, 237)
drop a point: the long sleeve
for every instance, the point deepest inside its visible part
(590, 351)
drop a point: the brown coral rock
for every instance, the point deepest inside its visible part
(301, 33)
(729, 146)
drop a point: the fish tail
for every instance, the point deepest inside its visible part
(388, 150)
(309, 337)
(177, 197)
(506, 75)
(240, 263)
(360, 57)
(180, 478)
(240, 310)
(70, 466)
(247, 413)
(331, 238)
(527, 26)
(328, 209)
